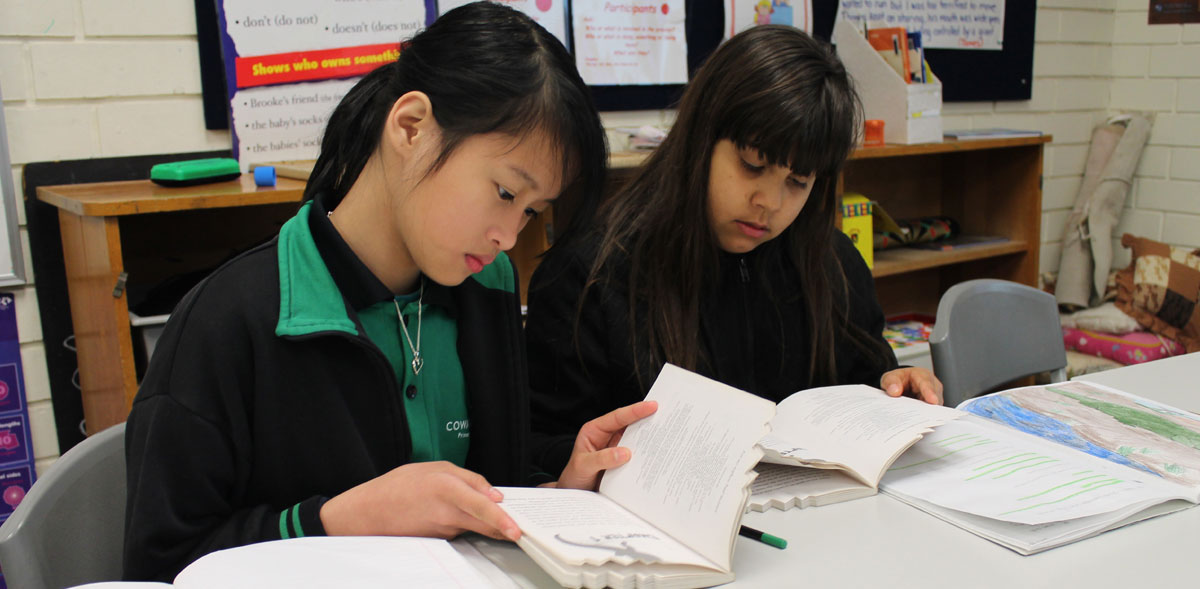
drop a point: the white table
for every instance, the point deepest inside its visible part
(880, 542)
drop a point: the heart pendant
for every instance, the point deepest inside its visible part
(417, 363)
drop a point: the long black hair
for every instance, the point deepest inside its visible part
(773, 89)
(486, 68)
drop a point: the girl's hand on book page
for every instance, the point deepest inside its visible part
(430, 499)
(596, 446)
(915, 382)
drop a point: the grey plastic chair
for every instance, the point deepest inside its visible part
(989, 332)
(70, 528)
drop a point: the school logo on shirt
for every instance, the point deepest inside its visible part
(460, 426)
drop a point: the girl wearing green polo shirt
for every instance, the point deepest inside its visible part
(364, 373)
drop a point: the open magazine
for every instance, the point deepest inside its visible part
(1038, 467)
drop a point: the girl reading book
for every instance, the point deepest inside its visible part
(297, 391)
(721, 255)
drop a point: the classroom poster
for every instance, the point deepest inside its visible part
(17, 472)
(551, 14)
(743, 14)
(289, 62)
(630, 42)
(944, 24)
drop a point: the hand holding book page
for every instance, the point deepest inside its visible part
(1052, 464)
(669, 516)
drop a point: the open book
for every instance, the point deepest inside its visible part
(1038, 467)
(342, 561)
(667, 518)
(831, 444)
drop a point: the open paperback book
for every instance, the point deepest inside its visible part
(831, 444)
(667, 518)
(1038, 467)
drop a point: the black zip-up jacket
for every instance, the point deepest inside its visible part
(238, 435)
(748, 339)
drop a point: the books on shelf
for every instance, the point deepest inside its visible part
(892, 45)
(1038, 467)
(835, 443)
(989, 133)
(670, 516)
(918, 69)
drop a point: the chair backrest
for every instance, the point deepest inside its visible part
(70, 528)
(989, 332)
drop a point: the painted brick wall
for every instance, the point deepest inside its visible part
(92, 78)
(100, 78)
(1156, 68)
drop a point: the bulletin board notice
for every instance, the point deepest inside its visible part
(289, 62)
(630, 42)
(944, 24)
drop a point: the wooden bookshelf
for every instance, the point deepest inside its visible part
(990, 186)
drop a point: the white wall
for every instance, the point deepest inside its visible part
(102, 78)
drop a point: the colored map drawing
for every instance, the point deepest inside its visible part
(1086, 418)
(1141, 418)
(1004, 410)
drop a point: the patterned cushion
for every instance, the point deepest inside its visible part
(1129, 348)
(1160, 289)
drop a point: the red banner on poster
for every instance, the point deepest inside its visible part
(303, 66)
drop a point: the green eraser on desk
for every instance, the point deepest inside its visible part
(191, 172)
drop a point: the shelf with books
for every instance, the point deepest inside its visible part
(991, 187)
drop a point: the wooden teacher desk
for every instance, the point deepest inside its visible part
(881, 542)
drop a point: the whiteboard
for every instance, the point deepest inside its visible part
(12, 262)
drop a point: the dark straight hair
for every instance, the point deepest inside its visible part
(773, 89)
(486, 69)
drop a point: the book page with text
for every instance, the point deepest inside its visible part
(584, 527)
(855, 427)
(692, 461)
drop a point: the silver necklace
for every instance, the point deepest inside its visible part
(417, 361)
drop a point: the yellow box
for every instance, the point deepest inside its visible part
(856, 223)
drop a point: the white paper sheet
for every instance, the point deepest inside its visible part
(630, 42)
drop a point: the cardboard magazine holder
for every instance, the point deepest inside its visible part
(912, 113)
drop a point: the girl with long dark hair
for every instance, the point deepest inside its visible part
(721, 255)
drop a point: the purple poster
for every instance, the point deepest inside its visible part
(16, 447)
